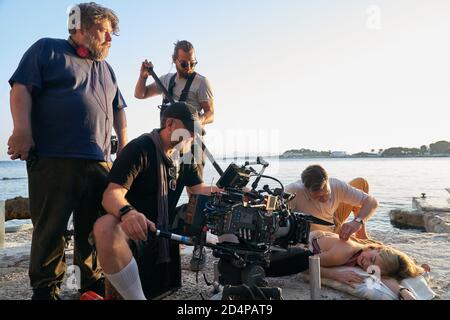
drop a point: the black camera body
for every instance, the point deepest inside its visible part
(234, 177)
(248, 224)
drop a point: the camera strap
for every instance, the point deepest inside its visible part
(187, 87)
(185, 92)
(170, 89)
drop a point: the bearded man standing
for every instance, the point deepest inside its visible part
(64, 103)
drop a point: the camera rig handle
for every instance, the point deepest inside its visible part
(198, 138)
(192, 241)
(175, 237)
(259, 161)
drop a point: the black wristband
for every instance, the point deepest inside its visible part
(124, 210)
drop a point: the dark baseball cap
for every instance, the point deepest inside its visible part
(186, 113)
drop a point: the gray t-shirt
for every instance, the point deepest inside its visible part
(200, 90)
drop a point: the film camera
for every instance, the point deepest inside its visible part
(249, 224)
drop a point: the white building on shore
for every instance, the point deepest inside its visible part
(338, 154)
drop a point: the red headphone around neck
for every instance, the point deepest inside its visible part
(81, 51)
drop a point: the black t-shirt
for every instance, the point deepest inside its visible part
(135, 169)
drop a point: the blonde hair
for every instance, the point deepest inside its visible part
(92, 13)
(396, 263)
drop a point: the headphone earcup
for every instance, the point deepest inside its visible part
(82, 52)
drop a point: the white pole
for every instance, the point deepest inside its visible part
(2, 224)
(314, 277)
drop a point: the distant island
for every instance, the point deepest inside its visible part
(437, 149)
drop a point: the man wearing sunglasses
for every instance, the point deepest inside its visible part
(185, 85)
(145, 184)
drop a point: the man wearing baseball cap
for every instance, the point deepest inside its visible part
(145, 184)
(187, 114)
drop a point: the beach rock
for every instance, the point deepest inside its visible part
(17, 225)
(407, 219)
(17, 208)
(437, 222)
(439, 202)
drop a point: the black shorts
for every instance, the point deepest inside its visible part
(158, 279)
(292, 261)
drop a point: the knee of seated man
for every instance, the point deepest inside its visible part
(104, 227)
(360, 183)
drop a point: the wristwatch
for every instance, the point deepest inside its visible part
(124, 210)
(361, 221)
(400, 297)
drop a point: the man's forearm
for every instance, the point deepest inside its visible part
(113, 200)
(21, 104)
(120, 127)
(141, 88)
(208, 112)
(368, 208)
(207, 190)
(203, 189)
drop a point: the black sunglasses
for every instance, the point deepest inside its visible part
(184, 64)
(173, 174)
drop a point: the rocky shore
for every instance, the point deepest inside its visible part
(430, 213)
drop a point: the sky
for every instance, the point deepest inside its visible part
(325, 75)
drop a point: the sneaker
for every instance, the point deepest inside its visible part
(198, 260)
(98, 287)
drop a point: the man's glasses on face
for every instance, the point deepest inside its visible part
(185, 64)
(173, 174)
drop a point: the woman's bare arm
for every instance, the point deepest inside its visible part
(395, 287)
(332, 258)
(348, 277)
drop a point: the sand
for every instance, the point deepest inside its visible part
(427, 248)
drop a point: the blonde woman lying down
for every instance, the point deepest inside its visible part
(393, 264)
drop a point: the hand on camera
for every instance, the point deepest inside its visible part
(136, 225)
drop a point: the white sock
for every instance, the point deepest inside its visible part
(127, 282)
